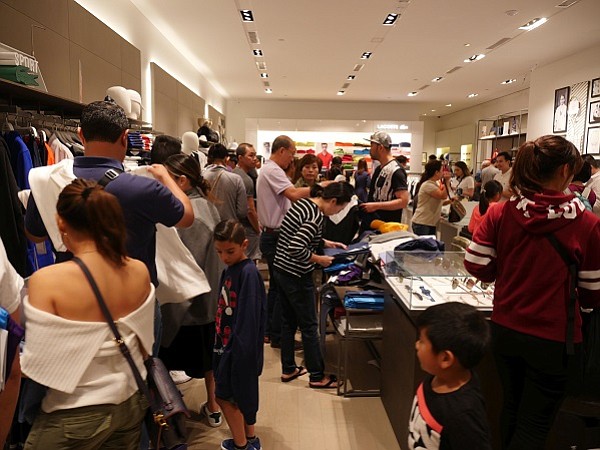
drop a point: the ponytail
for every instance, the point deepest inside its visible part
(89, 209)
(342, 192)
(181, 164)
(489, 191)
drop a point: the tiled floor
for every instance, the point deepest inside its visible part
(293, 417)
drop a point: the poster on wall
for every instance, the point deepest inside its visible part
(577, 113)
(596, 87)
(593, 140)
(561, 99)
(595, 112)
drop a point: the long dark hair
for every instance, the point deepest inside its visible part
(489, 191)
(189, 166)
(342, 192)
(89, 209)
(537, 162)
(431, 168)
(464, 169)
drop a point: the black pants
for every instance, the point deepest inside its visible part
(533, 373)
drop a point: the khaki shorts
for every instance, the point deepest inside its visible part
(90, 427)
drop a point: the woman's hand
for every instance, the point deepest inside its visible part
(333, 244)
(322, 260)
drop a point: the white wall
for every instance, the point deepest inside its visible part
(126, 20)
(583, 66)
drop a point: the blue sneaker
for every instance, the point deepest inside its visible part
(253, 444)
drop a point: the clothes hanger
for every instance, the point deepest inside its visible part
(7, 126)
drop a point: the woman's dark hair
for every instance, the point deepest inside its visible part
(584, 174)
(89, 209)
(431, 168)
(489, 191)
(342, 192)
(230, 231)
(463, 167)
(537, 162)
(189, 166)
(336, 161)
(362, 164)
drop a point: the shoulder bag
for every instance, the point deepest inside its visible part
(165, 418)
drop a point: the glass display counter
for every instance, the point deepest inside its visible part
(423, 279)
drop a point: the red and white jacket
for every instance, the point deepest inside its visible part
(532, 290)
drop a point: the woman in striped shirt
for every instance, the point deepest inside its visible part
(299, 241)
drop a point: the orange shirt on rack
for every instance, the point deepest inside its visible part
(50, 154)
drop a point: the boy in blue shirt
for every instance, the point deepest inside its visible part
(238, 351)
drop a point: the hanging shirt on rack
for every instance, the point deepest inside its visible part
(20, 158)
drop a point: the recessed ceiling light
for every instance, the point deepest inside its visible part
(247, 15)
(424, 114)
(264, 75)
(257, 52)
(351, 77)
(475, 57)
(467, 45)
(512, 80)
(366, 55)
(566, 3)
(533, 23)
(269, 91)
(449, 105)
(390, 19)
(433, 110)
(511, 12)
(412, 94)
(472, 95)
(437, 79)
(341, 92)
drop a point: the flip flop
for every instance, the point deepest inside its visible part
(331, 384)
(298, 373)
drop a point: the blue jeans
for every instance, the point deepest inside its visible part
(268, 245)
(423, 230)
(298, 310)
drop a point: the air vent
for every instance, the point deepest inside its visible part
(423, 87)
(454, 69)
(498, 44)
(345, 85)
(261, 65)
(267, 84)
(358, 67)
(566, 3)
(253, 37)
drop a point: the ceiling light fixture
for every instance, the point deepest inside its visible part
(412, 94)
(351, 77)
(247, 15)
(264, 75)
(449, 105)
(475, 57)
(366, 55)
(437, 79)
(257, 52)
(433, 110)
(269, 91)
(341, 92)
(472, 95)
(566, 3)
(533, 23)
(467, 45)
(390, 19)
(512, 80)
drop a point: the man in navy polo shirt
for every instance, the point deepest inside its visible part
(145, 201)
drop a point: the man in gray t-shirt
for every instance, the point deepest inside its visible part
(227, 187)
(246, 155)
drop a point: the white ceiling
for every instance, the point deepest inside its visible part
(311, 46)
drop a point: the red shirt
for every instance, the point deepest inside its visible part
(326, 158)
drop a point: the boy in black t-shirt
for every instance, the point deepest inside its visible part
(448, 411)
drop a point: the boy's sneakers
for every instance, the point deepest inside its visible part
(253, 444)
(215, 419)
(179, 376)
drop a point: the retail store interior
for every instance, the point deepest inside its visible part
(461, 80)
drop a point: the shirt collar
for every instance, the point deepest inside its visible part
(87, 162)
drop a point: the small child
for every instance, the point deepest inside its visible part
(448, 411)
(238, 351)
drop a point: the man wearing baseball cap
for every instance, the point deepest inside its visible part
(388, 193)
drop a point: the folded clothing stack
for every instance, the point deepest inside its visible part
(364, 300)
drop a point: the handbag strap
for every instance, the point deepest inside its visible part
(571, 307)
(142, 386)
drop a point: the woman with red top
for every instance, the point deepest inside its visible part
(490, 195)
(529, 319)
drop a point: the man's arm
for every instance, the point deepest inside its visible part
(294, 193)
(160, 173)
(253, 215)
(400, 202)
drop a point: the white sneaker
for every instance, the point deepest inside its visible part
(215, 419)
(179, 376)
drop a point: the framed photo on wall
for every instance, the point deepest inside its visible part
(593, 140)
(561, 100)
(596, 87)
(595, 112)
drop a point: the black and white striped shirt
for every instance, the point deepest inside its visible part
(299, 237)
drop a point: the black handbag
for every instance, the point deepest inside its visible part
(165, 418)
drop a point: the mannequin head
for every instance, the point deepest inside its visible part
(189, 142)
